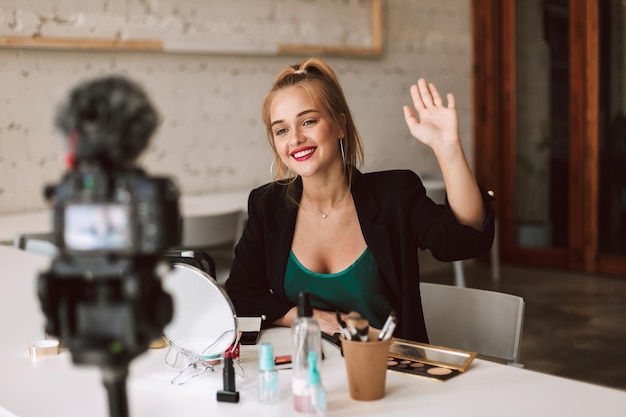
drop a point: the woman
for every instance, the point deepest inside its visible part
(348, 238)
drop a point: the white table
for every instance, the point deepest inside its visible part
(52, 386)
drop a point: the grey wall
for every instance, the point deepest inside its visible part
(212, 137)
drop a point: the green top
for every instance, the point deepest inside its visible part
(356, 288)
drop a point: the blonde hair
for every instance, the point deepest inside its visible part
(317, 78)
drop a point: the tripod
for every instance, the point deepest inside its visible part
(107, 315)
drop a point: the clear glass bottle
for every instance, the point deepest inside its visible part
(307, 337)
(268, 376)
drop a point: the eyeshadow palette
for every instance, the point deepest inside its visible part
(427, 361)
(413, 367)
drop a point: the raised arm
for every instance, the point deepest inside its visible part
(436, 125)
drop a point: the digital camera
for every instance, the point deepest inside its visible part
(105, 203)
(102, 296)
(119, 212)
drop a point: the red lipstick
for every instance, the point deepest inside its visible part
(302, 154)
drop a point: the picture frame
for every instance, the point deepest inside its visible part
(179, 27)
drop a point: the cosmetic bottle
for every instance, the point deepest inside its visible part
(268, 376)
(229, 393)
(315, 392)
(306, 337)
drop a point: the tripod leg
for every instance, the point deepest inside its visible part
(114, 380)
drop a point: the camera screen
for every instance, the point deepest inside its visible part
(90, 227)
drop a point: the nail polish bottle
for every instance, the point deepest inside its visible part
(268, 376)
(315, 392)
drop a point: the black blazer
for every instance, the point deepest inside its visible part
(396, 219)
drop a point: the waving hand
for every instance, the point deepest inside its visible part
(435, 124)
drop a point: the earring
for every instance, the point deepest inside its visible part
(272, 174)
(343, 154)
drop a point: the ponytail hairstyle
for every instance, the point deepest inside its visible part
(317, 78)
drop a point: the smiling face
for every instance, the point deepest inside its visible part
(304, 135)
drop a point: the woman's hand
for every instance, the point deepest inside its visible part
(326, 319)
(435, 124)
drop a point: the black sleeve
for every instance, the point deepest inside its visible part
(248, 285)
(437, 229)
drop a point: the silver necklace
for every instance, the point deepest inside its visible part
(321, 213)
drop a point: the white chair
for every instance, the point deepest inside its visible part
(216, 234)
(212, 230)
(486, 322)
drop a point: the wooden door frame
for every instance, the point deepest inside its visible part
(494, 132)
(594, 260)
(493, 27)
(584, 58)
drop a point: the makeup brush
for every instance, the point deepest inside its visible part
(389, 326)
(362, 329)
(358, 326)
(344, 330)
